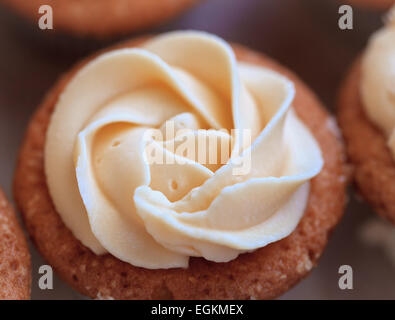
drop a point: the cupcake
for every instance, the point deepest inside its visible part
(15, 275)
(366, 113)
(181, 167)
(102, 18)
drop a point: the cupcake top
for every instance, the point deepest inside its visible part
(174, 149)
(378, 79)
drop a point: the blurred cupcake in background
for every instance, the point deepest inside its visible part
(366, 114)
(102, 18)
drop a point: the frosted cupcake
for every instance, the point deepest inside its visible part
(125, 208)
(366, 113)
(102, 18)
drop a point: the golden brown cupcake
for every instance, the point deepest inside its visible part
(366, 115)
(15, 274)
(125, 208)
(102, 18)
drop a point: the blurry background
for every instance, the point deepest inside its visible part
(301, 34)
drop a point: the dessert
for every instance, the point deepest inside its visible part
(102, 18)
(15, 271)
(366, 116)
(124, 208)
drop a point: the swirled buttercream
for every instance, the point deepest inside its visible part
(157, 215)
(378, 80)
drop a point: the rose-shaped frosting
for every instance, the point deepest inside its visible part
(378, 80)
(157, 215)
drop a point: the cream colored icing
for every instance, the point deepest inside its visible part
(158, 215)
(378, 80)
